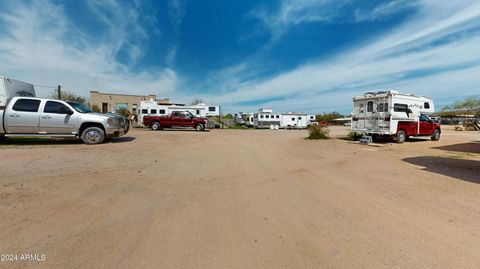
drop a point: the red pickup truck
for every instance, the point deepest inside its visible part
(178, 119)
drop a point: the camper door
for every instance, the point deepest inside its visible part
(359, 112)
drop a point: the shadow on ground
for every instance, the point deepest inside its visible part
(471, 147)
(468, 170)
(46, 141)
(122, 139)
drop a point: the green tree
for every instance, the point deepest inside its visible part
(69, 96)
(228, 116)
(329, 116)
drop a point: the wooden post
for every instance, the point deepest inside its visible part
(59, 92)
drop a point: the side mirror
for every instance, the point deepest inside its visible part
(69, 112)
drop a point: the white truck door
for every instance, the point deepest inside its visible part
(23, 117)
(54, 119)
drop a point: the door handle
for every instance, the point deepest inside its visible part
(14, 115)
(46, 117)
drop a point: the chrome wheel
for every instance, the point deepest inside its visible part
(93, 136)
(401, 137)
(155, 126)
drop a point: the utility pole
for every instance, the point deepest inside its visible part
(59, 92)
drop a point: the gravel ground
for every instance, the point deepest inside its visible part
(241, 199)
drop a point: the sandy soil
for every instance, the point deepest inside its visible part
(242, 199)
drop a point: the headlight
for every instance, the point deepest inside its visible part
(111, 121)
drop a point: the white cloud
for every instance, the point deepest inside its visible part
(434, 53)
(291, 13)
(385, 10)
(177, 12)
(40, 44)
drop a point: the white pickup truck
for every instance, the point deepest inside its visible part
(25, 116)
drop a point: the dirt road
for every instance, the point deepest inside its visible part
(242, 199)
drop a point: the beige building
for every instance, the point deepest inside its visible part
(112, 102)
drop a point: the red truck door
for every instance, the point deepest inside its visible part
(426, 126)
(182, 119)
(177, 119)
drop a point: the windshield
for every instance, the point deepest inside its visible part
(80, 107)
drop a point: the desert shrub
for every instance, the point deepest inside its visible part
(124, 112)
(318, 132)
(96, 108)
(354, 135)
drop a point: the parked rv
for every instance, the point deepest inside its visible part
(177, 119)
(390, 113)
(38, 117)
(265, 118)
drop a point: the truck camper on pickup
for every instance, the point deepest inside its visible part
(390, 113)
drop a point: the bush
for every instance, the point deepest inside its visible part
(318, 132)
(124, 112)
(354, 135)
(95, 108)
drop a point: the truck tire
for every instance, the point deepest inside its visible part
(199, 127)
(93, 135)
(401, 137)
(435, 135)
(155, 126)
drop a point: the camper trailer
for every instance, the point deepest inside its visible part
(152, 108)
(10, 88)
(265, 118)
(390, 113)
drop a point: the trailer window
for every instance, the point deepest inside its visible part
(198, 111)
(278, 116)
(26, 105)
(400, 107)
(161, 112)
(212, 109)
(261, 116)
(382, 107)
(370, 106)
(144, 111)
(153, 111)
(267, 116)
(293, 119)
(426, 105)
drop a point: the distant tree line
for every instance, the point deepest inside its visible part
(329, 116)
(468, 106)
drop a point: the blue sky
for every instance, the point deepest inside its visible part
(306, 55)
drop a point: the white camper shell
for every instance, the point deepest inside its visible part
(380, 112)
(10, 88)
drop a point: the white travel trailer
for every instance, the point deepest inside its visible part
(10, 88)
(296, 120)
(265, 118)
(244, 119)
(384, 112)
(152, 108)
